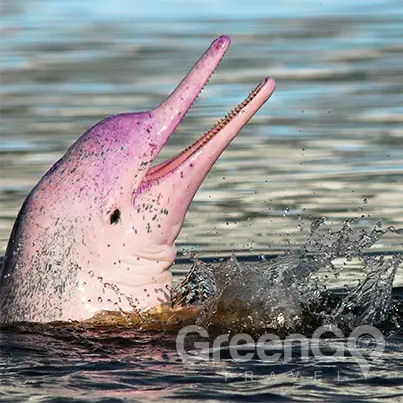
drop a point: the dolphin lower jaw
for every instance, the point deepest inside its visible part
(227, 128)
(168, 188)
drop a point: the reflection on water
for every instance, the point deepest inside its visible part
(328, 143)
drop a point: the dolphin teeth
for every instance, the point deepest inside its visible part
(231, 115)
(156, 171)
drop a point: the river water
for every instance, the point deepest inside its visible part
(328, 147)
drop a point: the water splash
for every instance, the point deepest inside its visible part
(288, 293)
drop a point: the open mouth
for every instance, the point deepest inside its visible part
(203, 152)
(173, 163)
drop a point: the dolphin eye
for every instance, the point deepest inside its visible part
(115, 217)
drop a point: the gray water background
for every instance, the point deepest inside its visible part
(329, 143)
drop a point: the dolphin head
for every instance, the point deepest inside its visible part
(98, 231)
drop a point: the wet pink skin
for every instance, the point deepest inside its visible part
(97, 232)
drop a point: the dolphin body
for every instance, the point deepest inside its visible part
(97, 232)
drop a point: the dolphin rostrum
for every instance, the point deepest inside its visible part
(97, 232)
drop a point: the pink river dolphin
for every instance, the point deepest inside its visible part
(97, 232)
